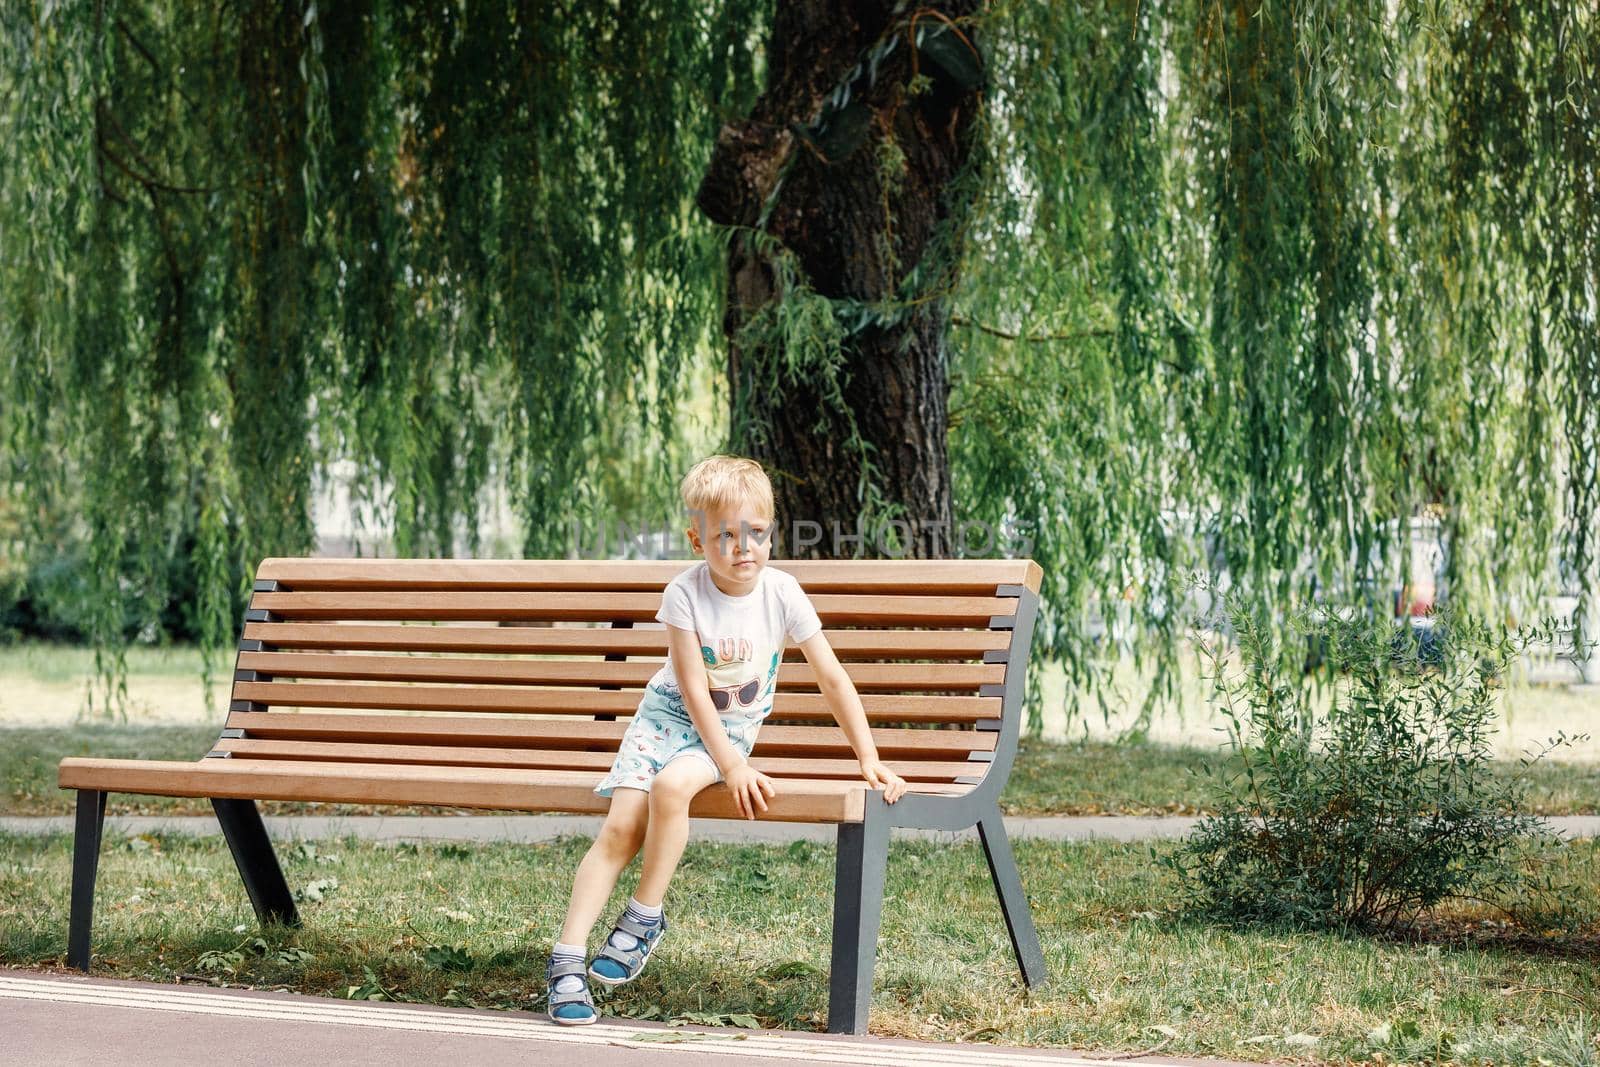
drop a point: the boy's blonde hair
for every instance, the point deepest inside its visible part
(722, 481)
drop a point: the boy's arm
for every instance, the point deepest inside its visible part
(696, 688)
(746, 784)
(845, 703)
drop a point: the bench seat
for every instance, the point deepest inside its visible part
(502, 788)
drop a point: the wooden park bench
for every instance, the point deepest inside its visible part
(367, 682)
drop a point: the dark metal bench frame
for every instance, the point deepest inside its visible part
(860, 866)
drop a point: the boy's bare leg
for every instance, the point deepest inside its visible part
(614, 846)
(668, 828)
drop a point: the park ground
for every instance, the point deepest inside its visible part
(469, 924)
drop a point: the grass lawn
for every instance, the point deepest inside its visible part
(470, 925)
(49, 684)
(1083, 778)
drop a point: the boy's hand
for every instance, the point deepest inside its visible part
(748, 786)
(881, 777)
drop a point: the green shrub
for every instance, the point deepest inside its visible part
(53, 599)
(1384, 805)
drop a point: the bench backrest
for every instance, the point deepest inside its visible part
(528, 663)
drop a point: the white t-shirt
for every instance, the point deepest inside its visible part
(741, 637)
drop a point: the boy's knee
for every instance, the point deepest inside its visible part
(672, 794)
(621, 838)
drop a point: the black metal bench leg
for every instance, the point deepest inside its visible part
(85, 865)
(857, 908)
(258, 864)
(1013, 901)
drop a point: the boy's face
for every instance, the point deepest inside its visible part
(736, 543)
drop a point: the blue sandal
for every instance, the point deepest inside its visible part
(615, 966)
(573, 1008)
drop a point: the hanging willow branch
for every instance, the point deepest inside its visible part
(1310, 270)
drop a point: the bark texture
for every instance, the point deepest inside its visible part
(856, 223)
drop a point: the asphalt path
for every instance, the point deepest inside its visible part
(64, 1020)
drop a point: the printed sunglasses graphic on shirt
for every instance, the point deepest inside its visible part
(745, 694)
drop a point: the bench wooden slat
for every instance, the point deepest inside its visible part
(866, 676)
(950, 577)
(469, 787)
(601, 640)
(607, 606)
(773, 740)
(568, 759)
(885, 708)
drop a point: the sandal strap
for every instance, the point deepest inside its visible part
(631, 958)
(629, 924)
(562, 968)
(574, 996)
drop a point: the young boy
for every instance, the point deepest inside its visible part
(727, 620)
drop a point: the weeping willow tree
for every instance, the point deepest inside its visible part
(1206, 283)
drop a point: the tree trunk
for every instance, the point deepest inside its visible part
(865, 187)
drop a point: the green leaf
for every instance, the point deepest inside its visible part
(225, 962)
(371, 989)
(448, 958)
(791, 969)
